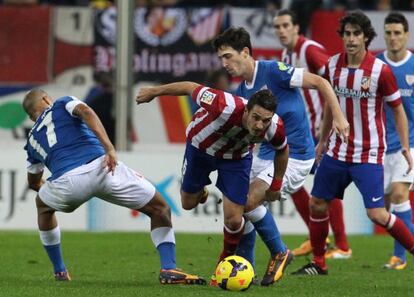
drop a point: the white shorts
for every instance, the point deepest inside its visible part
(126, 187)
(295, 175)
(395, 167)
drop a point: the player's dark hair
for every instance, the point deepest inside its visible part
(263, 98)
(358, 18)
(237, 38)
(397, 18)
(291, 13)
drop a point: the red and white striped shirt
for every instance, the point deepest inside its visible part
(216, 128)
(311, 56)
(361, 93)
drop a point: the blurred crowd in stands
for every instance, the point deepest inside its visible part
(305, 5)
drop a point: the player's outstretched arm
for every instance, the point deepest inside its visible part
(280, 164)
(147, 94)
(340, 124)
(401, 125)
(86, 114)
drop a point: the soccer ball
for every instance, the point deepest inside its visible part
(234, 273)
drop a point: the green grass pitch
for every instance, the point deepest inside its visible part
(126, 264)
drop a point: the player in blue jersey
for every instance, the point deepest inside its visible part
(235, 51)
(396, 182)
(69, 139)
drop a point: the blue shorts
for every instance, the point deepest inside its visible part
(333, 176)
(232, 175)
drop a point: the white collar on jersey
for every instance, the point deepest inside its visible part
(256, 67)
(399, 63)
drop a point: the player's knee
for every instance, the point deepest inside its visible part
(42, 208)
(233, 222)
(251, 204)
(318, 206)
(188, 201)
(378, 216)
(398, 197)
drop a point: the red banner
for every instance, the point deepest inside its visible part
(24, 43)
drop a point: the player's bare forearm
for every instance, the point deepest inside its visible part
(35, 181)
(340, 124)
(280, 163)
(147, 94)
(401, 124)
(326, 126)
(86, 114)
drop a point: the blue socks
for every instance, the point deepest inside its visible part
(55, 255)
(265, 225)
(164, 239)
(166, 251)
(51, 242)
(245, 248)
(270, 234)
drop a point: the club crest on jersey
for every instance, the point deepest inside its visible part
(409, 78)
(284, 67)
(207, 97)
(365, 82)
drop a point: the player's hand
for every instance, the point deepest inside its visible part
(110, 161)
(272, 195)
(407, 155)
(320, 150)
(341, 128)
(146, 95)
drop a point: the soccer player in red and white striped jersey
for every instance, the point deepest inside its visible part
(302, 52)
(362, 84)
(220, 137)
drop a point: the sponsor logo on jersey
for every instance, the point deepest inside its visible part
(406, 92)
(207, 97)
(354, 94)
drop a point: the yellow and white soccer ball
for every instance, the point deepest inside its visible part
(234, 273)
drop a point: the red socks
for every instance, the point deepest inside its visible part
(301, 201)
(231, 240)
(336, 218)
(319, 230)
(400, 232)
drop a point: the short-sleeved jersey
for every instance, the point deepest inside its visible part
(282, 80)
(404, 74)
(311, 56)
(61, 141)
(217, 129)
(361, 93)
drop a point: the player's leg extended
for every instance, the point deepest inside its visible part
(135, 192)
(50, 237)
(162, 235)
(369, 179)
(233, 227)
(336, 220)
(265, 225)
(394, 225)
(396, 185)
(327, 187)
(401, 207)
